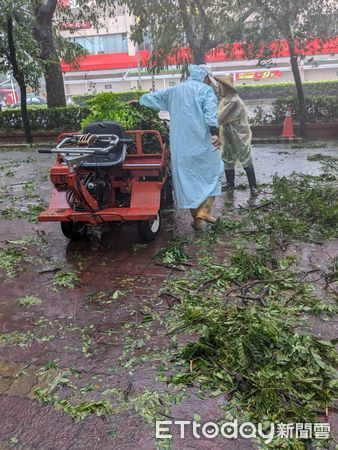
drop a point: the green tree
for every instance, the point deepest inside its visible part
(19, 53)
(44, 34)
(298, 23)
(50, 16)
(201, 25)
(31, 45)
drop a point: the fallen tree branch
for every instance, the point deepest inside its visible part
(40, 234)
(168, 294)
(170, 266)
(262, 205)
(54, 269)
(247, 286)
(249, 297)
(210, 281)
(183, 327)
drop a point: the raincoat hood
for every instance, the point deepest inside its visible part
(197, 73)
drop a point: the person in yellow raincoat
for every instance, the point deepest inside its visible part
(235, 133)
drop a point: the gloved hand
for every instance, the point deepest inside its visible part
(215, 140)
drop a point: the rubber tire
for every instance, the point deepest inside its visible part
(167, 197)
(74, 230)
(146, 229)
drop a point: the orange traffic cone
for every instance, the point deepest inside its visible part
(288, 125)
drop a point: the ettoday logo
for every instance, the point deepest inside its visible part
(210, 430)
(245, 430)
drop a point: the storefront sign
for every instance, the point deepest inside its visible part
(75, 24)
(261, 75)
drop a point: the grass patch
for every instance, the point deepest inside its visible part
(29, 189)
(264, 366)
(321, 157)
(300, 207)
(105, 298)
(29, 212)
(250, 311)
(65, 280)
(251, 347)
(310, 207)
(22, 339)
(28, 300)
(174, 254)
(9, 261)
(82, 410)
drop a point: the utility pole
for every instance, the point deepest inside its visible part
(138, 67)
(153, 86)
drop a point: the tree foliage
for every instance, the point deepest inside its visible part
(39, 43)
(296, 23)
(263, 26)
(27, 50)
(200, 25)
(19, 52)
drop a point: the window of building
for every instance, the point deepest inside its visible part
(109, 43)
(108, 87)
(146, 44)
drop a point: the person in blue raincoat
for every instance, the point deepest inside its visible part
(197, 166)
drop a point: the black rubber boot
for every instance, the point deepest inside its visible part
(230, 177)
(250, 173)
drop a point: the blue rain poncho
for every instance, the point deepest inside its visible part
(197, 166)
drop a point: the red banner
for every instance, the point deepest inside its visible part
(75, 24)
(64, 3)
(261, 75)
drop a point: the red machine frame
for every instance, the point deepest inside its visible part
(142, 175)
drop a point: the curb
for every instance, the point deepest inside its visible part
(27, 147)
(277, 140)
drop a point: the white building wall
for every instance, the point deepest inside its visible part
(79, 83)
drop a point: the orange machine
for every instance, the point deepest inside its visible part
(106, 175)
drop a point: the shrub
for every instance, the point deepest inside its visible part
(247, 92)
(261, 117)
(106, 106)
(322, 108)
(64, 119)
(261, 91)
(125, 96)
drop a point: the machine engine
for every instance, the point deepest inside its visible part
(99, 186)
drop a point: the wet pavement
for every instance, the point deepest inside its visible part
(82, 323)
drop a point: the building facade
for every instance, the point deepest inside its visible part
(115, 63)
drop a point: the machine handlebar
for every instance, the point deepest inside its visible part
(112, 140)
(44, 150)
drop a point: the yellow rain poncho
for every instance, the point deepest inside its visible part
(235, 131)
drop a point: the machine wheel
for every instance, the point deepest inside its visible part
(74, 230)
(149, 229)
(167, 198)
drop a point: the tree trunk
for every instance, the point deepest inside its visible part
(198, 54)
(24, 112)
(198, 51)
(300, 92)
(19, 76)
(44, 35)
(54, 85)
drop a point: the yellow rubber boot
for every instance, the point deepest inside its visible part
(196, 223)
(203, 212)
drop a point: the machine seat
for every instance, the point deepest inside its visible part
(115, 157)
